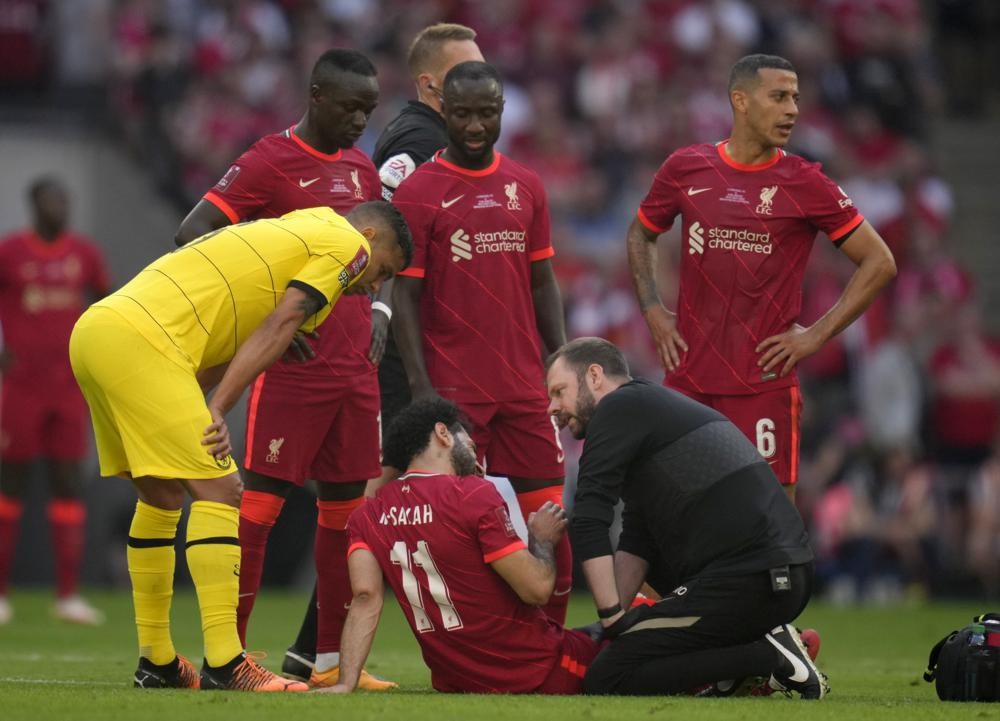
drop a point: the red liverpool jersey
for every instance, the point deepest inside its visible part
(746, 231)
(475, 235)
(44, 287)
(434, 537)
(281, 173)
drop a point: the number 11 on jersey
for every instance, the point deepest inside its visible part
(401, 556)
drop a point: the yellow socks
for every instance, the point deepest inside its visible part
(151, 560)
(213, 556)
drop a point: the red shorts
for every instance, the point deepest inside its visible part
(327, 431)
(42, 420)
(516, 438)
(770, 420)
(566, 677)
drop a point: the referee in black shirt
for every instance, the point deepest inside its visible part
(705, 523)
(408, 141)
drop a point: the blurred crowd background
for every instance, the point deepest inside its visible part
(900, 480)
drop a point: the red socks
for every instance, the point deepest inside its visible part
(333, 583)
(10, 524)
(258, 512)
(530, 502)
(67, 517)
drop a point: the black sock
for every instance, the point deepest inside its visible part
(305, 643)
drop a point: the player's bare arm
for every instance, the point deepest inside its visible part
(368, 589)
(407, 330)
(532, 578)
(203, 218)
(264, 346)
(630, 573)
(381, 315)
(875, 268)
(600, 574)
(208, 378)
(642, 257)
(547, 300)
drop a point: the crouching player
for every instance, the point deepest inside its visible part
(469, 587)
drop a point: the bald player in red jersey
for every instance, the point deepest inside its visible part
(749, 215)
(48, 276)
(319, 418)
(479, 306)
(468, 585)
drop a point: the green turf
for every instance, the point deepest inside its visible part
(874, 658)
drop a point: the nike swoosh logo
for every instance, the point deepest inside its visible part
(562, 593)
(695, 191)
(449, 203)
(801, 674)
(244, 595)
(306, 183)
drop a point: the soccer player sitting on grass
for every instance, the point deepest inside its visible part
(221, 309)
(469, 587)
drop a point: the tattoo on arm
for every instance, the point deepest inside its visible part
(309, 306)
(642, 259)
(543, 551)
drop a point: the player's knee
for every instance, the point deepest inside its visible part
(601, 678)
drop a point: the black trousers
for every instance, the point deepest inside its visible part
(708, 630)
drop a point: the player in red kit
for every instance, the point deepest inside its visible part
(749, 215)
(48, 276)
(479, 307)
(468, 585)
(317, 419)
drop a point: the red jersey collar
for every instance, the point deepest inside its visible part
(489, 170)
(45, 248)
(311, 150)
(749, 167)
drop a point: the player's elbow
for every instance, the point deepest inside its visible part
(537, 590)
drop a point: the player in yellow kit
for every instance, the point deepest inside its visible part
(220, 309)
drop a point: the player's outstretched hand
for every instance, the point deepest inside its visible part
(380, 333)
(548, 523)
(669, 343)
(786, 349)
(216, 436)
(300, 349)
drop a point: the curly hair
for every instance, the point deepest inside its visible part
(409, 434)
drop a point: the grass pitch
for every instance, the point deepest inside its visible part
(874, 658)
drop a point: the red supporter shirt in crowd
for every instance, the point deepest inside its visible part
(746, 234)
(475, 235)
(434, 537)
(44, 287)
(281, 173)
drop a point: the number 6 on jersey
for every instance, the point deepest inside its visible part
(400, 556)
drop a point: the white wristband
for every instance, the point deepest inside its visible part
(379, 305)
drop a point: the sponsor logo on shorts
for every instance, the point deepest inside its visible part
(274, 449)
(224, 463)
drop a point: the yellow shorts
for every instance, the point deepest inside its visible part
(148, 410)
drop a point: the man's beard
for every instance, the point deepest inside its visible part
(464, 460)
(585, 407)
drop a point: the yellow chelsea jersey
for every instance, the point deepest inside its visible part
(204, 299)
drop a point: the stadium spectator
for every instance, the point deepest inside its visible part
(469, 587)
(481, 304)
(317, 419)
(410, 140)
(703, 515)
(48, 275)
(213, 314)
(749, 213)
